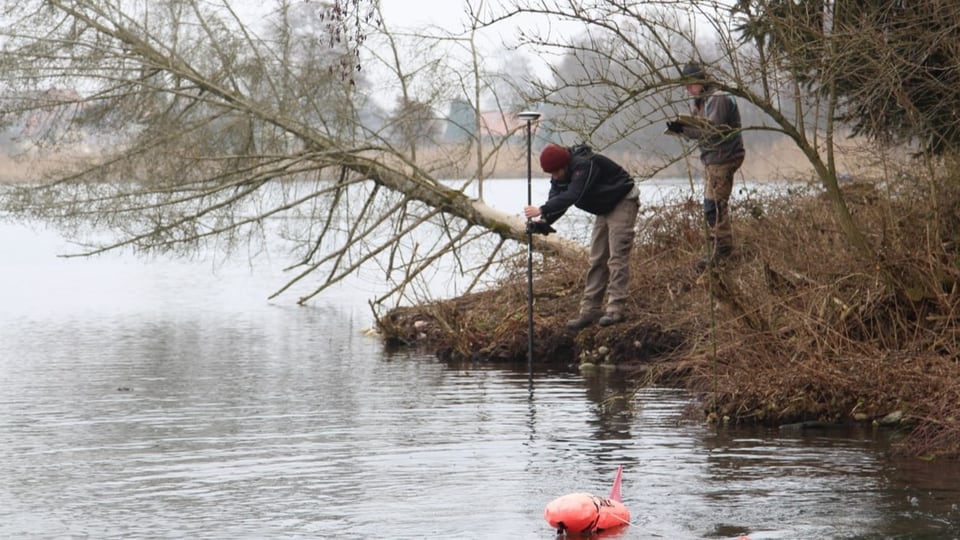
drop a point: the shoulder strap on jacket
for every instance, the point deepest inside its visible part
(581, 150)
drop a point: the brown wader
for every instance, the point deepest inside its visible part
(718, 185)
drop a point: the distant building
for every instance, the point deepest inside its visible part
(499, 125)
(494, 125)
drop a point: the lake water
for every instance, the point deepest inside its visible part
(170, 399)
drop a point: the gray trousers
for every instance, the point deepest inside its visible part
(610, 246)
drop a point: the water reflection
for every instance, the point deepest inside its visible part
(161, 400)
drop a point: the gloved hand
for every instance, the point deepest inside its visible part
(539, 227)
(674, 127)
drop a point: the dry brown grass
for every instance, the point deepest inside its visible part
(775, 161)
(780, 160)
(796, 328)
(26, 168)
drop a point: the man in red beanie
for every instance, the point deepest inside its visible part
(599, 186)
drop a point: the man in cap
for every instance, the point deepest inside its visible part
(721, 152)
(599, 186)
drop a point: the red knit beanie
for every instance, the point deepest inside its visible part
(553, 158)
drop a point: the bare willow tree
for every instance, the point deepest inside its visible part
(622, 74)
(896, 85)
(889, 70)
(212, 124)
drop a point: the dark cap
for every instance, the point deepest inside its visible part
(693, 71)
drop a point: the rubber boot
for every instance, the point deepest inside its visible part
(584, 320)
(715, 258)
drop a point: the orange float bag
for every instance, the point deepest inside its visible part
(583, 513)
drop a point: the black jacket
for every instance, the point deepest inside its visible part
(593, 183)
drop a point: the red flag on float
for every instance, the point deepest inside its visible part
(615, 490)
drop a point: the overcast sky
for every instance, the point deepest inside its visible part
(419, 13)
